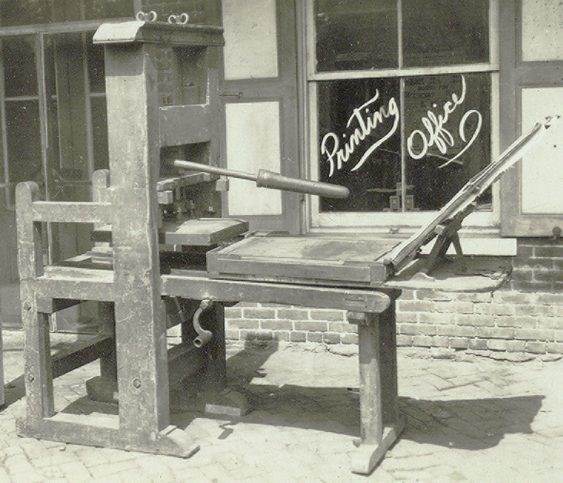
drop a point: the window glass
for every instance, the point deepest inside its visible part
(24, 12)
(20, 77)
(447, 135)
(94, 9)
(96, 68)
(355, 34)
(454, 32)
(100, 132)
(23, 140)
(359, 134)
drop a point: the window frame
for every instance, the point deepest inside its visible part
(385, 222)
(518, 74)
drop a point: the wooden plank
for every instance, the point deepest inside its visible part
(71, 212)
(161, 33)
(202, 231)
(76, 356)
(185, 125)
(75, 283)
(48, 305)
(97, 430)
(200, 287)
(315, 260)
(183, 180)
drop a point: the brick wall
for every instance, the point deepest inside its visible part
(524, 317)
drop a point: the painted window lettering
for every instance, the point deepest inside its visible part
(436, 131)
(330, 144)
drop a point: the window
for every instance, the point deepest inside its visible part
(402, 105)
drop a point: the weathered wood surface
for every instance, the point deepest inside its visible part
(189, 232)
(184, 180)
(37, 355)
(185, 125)
(306, 260)
(198, 287)
(202, 231)
(133, 138)
(135, 32)
(76, 355)
(75, 283)
(75, 211)
(380, 421)
(105, 432)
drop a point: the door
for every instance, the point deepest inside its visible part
(53, 125)
(259, 92)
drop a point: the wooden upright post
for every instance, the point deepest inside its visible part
(134, 149)
(379, 415)
(38, 373)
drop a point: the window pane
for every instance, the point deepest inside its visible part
(447, 135)
(20, 77)
(359, 134)
(94, 9)
(96, 68)
(100, 132)
(356, 34)
(23, 139)
(24, 12)
(454, 32)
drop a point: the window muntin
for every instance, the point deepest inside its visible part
(409, 184)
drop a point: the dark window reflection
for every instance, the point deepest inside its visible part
(360, 141)
(94, 9)
(100, 132)
(356, 34)
(24, 12)
(20, 75)
(446, 117)
(23, 140)
(445, 32)
(96, 68)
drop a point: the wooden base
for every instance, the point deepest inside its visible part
(79, 429)
(367, 456)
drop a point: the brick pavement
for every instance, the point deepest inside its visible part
(472, 419)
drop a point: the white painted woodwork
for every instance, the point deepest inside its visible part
(542, 30)
(253, 142)
(251, 49)
(542, 169)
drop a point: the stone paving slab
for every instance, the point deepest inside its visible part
(471, 420)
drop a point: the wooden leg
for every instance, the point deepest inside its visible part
(217, 349)
(388, 354)
(2, 397)
(108, 363)
(220, 399)
(38, 372)
(376, 390)
(104, 387)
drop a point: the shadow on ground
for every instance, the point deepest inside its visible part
(472, 424)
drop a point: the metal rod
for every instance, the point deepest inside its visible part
(270, 179)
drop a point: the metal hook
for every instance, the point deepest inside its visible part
(181, 19)
(146, 16)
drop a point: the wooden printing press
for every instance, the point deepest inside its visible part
(163, 256)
